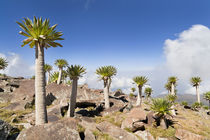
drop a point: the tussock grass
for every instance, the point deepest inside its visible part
(160, 132)
(8, 115)
(101, 136)
(115, 118)
(193, 122)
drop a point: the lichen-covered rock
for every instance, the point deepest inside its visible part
(59, 130)
(5, 130)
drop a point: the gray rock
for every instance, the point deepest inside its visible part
(5, 130)
(65, 129)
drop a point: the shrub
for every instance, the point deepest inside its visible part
(184, 103)
(205, 107)
(197, 105)
(131, 95)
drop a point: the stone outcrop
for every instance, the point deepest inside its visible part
(186, 135)
(115, 132)
(135, 115)
(63, 129)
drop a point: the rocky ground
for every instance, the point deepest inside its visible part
(122, 121)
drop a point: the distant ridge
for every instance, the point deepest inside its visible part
(190, 98)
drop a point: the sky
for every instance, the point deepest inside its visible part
(155, 38)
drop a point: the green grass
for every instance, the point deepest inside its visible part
(115, 119)
(80, 128)
(8, 115)
(101, 136)
(159, 132)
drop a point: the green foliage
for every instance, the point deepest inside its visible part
(68, 82)
(61, 63)
(205, 107)
(33, 77)
(160, 132)
(195, 81)
(148, 91)
(54, 77)
(161, 106)
(168, 86)
(75, 71)
(140, 80)
(171, 98)
(172, 80)
(101, 136)
(197, 105)
(133, 89)
(47, 68)
(207, 96)
(131, 95)
(184, 103)
(80, 128)
(3, 63)
(39, 32)
(106, 72)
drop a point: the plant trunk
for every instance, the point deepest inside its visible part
(172, 89)
(163, 123)
(48, 80)
(73, 98)
(59, 77)
(106, 94)
(40, 92)
(139, 97)
(173, 112)
(209, 104)
(198, 94)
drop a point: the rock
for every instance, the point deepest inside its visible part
(5, 130)
(138, 126)
(186, 135)
(145, 135)
(118, 93)
(135, 115)
(150, 118)
(63, 129)
(89, 135)
(116, 132)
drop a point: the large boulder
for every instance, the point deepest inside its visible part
(5, 130)
(135, 115)
(186, 135)
(115, 132)
(60, 130)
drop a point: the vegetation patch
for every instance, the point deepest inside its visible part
(115, 119)
(101, 136)
(160, 132)
(9, 115)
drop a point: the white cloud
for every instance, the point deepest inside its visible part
(17, 66)
(189, 56)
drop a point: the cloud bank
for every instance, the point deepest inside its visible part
(17, 66)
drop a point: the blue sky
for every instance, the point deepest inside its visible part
(129, 34)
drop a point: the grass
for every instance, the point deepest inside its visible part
(115, 119)
(101, 136)
(8, 115)
(193, 122)
(159, 132)
(80, 128)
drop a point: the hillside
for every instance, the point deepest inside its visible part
(190, 98)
